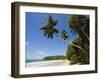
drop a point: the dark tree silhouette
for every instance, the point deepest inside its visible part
(48, 27)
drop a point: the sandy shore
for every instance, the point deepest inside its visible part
(49, 63)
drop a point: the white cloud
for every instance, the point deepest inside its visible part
(37, 55)
(40, 54)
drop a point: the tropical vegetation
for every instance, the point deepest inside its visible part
(78, 49)
(55, 57)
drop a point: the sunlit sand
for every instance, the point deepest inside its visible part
(64, 62)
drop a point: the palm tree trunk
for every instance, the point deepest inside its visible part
(80, 49)
(85, 35)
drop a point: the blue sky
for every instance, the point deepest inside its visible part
(38, 46)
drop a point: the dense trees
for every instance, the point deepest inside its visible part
(55, 57)
(78, 49)
(80, 54)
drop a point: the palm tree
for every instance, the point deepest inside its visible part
(48, 27)
(78, 24)
(49, 30)
(64, 35)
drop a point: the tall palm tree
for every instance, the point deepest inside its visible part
(48, 27)
(78, 23)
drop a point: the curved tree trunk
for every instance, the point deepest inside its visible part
(80, 49)
(85, 35)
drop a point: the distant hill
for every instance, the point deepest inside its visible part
(54, 57)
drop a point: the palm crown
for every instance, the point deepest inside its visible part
(48, 27)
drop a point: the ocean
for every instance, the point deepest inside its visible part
(30, 61)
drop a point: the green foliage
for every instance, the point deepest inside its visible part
(54, 58)
(76, 55)
(64, 35)
(78, 49)
(79, 53)
(80, 24)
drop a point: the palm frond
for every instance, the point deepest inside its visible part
(56, 31)
(48, 27)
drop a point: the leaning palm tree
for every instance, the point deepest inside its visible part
(77, 24)
(48, 27)
(80, 24)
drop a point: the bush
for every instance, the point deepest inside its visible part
(54, 57)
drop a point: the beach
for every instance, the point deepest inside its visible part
(64, 62)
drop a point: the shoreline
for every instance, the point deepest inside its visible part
(64, 62)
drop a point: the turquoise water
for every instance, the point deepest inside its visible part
(30, 61)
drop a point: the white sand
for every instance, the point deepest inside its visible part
(64, 62)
